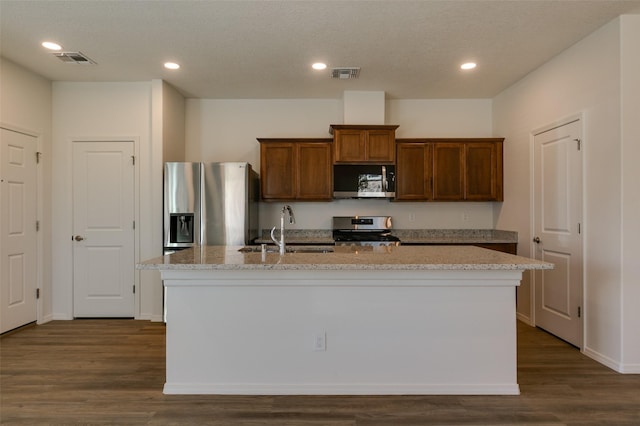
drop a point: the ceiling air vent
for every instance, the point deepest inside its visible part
(346, 72)
(73, 58)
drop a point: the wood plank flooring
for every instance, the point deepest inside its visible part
(112, 372)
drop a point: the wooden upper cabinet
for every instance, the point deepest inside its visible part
(277, 174)
(364, 143)
(449, 169)
(413, 171)
(483, 177)
(296, 169)
(314, 174)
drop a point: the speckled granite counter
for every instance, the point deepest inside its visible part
(407, 236)
(346, 258)
(299, 236)
(455, 236)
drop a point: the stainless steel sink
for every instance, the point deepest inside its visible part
(289, 249)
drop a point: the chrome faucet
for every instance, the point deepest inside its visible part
(285, 209)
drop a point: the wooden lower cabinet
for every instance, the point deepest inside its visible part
(296, 169)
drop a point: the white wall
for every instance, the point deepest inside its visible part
(25, 105)
(583, 79)
(167, 144)
(630, 90)
(226, 130)
(103, 111)
(173, 123)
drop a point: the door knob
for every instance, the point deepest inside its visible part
(78, 238)
(536, 240)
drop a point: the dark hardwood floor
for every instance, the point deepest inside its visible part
(112, 372)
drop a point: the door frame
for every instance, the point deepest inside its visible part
(136, 213)
(40, 319)
(579, 116)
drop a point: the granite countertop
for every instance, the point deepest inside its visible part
(407, 236)
(345, 258)
(455, 236)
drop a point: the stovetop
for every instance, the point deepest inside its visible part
(362, 229)
(341, 235)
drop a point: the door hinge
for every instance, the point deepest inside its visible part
(134, 224)
(579, 228)
(37, 293)
(134, 289)
(133, 160)
(579, 141)
(579, 311)
(38, 155)
(37, 225)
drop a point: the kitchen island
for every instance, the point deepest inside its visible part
(389, 320)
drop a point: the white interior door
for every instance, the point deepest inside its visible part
(557, 231)
(103, 226)
(18, 240)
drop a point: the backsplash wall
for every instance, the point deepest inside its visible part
(405, 215)
(226, 130)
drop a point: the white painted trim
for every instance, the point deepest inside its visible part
(339, 389)
(603, 359)
(136, 214)
(338, 278)
(558, 123)
(579, 116)
(525, 319)
(40, 317)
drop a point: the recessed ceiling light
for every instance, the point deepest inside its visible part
(51, 45)
(319, 66)
(468, 66)
(171, 65)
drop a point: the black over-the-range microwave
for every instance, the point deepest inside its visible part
(364, 181)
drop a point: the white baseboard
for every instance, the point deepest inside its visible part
(525, 319)
(45, 319)
(604, 360)
(61, 317)
(338, 389)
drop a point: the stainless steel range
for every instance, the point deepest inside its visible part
(374, 231)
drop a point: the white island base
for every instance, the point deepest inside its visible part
(334, 332)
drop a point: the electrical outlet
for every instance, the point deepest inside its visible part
(465, 216)
(320, 342)
(412, 217)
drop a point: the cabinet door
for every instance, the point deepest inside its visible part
(448, 171)
(314, 174)
(481, 171)
(277, 171)
(380, 146)
(413, 171)
(349, 146)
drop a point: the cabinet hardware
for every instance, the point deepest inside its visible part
(579, 143)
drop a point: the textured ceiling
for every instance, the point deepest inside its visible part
(264, 49)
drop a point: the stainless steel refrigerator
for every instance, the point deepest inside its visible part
(209, 204)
